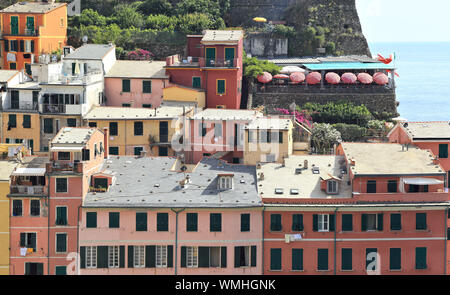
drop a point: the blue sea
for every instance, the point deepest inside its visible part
(423, 88)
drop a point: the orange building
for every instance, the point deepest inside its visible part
(29, 29)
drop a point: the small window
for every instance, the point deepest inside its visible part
(191, 222)
(61, 215)
(443, 151)
(60, 270)
(221, 87)
(61, 242)
(64, 156)
(148, 105)
(113, 129)
(35, 208)
(421, 258)
(346, 259)
(141, 221)
(218, 130)
(17, 208)
(12, 122)
(93, 124)
(332, 187)
(392, 186)
(371, 222)
(192, 256)
(371, 186)
(114, 219)
(421, 221)
(396, 221)
(297, 259)
(138, 150)
(225, 182)
(48, 125)
(71, 122)
(61, 185)
(161, 256)
(26, 121)
(125, 85)
(91, 256)
(347, 222)
(12, 66)
(28, 240)
(275, 259)
(196, 82)
(138, 128)
(395, 258)
(114, 150)
(245, 222)
(323, 222)
(215, 222)
(126, 105)
(322, 259)
(91, 219)
(162, 222)
(138, 256)
(113, 256)
(275, 222)
(242, 256)
(297, 222)
(294, 191)
(147, 86)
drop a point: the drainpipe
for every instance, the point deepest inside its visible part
(445, 240)
(262, 241)
(176, 237)
(335, 230)
(78, 242)
(48, 225)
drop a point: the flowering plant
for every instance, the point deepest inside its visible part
(300, 116)
(140, 54)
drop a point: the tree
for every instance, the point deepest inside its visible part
(209, 7)
(89, 17)
(324, 137)
(162, 22)
(156, 7)
(195, 23)
(127, 16)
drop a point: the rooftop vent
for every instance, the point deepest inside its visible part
(298, 170)
(294, 191)
(278, 191)
(315, 170)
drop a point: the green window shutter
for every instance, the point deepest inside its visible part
(130, 256)
(32, 45)
(61, 242)
(297, 259)
(162, 222)
(346, 259)
(395, 258)
(114, 219)
(297, 222)
(253, 250)
(203, 256)
(113, 129)
(280, 137)
(183, 256)
(315, 222)
(150, 256)
(363, 222)
(6, 45)
(169, 256)
(125, 85)
(114, 150)
(147, 86)
(421, 258)
(21, 46)
(380, 222)
(61, 216)
(220, 86)
(138, 150)
(392, 186)
(223, 257)
(196, 82)
(275, 259)
(322, 259)
(371, 186)
(191, 221)
(14, 25)
(370, 260)
(275, 222)
(332, 222)
(26, 121)
(396, 221)
(237, 255)
(443, 151)
(141, 221)
(138, 128)
(229, 56)
(82, 257)
(71, 122)
(102, 257)
(347, 222)
(245, 222)
(421, 221)
(12, 121)
(48, 125)
(215, 222)
(121, 256)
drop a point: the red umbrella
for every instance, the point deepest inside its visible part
(313, 78)
(365, 78)
(281, 76)
(381, 79)
(265, 77)
(348, 78)
(297, 77)
(376, 74)
(332, 78)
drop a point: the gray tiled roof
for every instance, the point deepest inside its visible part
(69, 135)
(138, 69)
(32, 7)
(5, 75)
(90, 51)
(150, 182)
(427, 130)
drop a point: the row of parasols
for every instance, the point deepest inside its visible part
(331, 78)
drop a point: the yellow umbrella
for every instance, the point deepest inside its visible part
(260, 19)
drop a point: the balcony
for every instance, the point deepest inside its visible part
(288, 87)
(26, 32)
(35, 190)
(54, 108)
(75, 167)
(28, 106)
(205, 62)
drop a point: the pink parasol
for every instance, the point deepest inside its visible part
(297, 77)
(332, 78)
(313, 78)
(265, 77)
(281, 76)
(365, 78)
(348, 78)
(381, 79)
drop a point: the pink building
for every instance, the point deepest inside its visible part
(218, 132)
(372, 208)
(132, 83)
(146, 216)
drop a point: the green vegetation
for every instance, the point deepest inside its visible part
(254, 67)
(324, 137)
(339, 112)
(350, 132)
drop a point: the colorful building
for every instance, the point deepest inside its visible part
(213, 63)
(433, 136)
(147, 217)
(136, 84)
(372, 208)
(218, 132)
(48, 200)
(136, 130)
(30, 29)
(178, 94)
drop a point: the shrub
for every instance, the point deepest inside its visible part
(350, 132)
(330, 47)
(340, 112)
(324, 137)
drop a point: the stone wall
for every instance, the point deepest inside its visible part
(375, 102)
(262, 45)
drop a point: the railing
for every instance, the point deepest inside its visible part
(28, 190)
(303, 88)
(54, 108)
(25, 107)
(207, 62)
(25, 32)
(31, 32)
(76, 167)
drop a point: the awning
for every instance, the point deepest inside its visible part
(29, 172)
(422, 181)
(66, 149)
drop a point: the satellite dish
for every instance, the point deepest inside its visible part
(85, 39)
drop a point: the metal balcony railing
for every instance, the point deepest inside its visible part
(54, 108)
(28, 190)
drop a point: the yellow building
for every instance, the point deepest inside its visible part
(178, 93)
(7, 166)
(133, 130)
(268, 140)
(21, 127)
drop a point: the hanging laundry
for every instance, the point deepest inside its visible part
(23, 251)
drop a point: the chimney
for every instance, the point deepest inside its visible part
(435, 161)
(261, 176)
(305, 164)
(106, 141)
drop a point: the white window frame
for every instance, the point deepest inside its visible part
(56, 242)
(323, 224)
(225, 182)
(139, 256)
(91, 256)
(113, 256)
(336, 187)
(192, 256)
(161, 256)
(26, 238)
